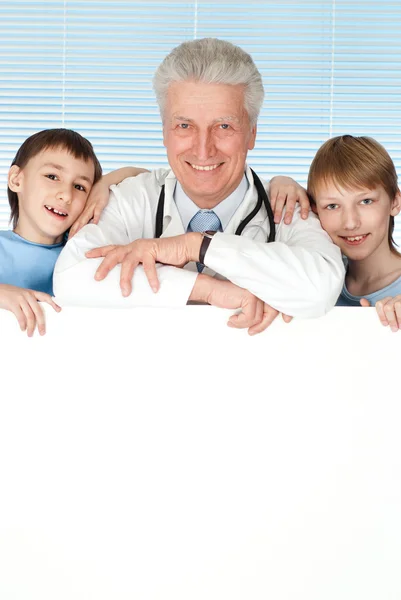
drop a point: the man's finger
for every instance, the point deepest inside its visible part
(245, 318)
(364, 302)
(269, 315)
(149, 266)
(102, 251)
(107, 265)
(127, 272)
(287, 318)
(259, 312)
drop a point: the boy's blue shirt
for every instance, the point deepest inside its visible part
(26, 264)
(347, 299)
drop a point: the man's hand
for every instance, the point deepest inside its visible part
(255, 314)
(269, 314)
(176, 251)
(389, 311)
(24, 304)
(284, 191)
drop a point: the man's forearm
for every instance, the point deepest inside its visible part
(75, 284)
(202, 289)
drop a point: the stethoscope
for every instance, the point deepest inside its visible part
(262, 199)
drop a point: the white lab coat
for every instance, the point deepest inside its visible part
(300, 274)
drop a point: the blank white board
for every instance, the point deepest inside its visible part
(152, 454)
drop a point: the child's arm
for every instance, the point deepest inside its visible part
(99, 196)
(389, 311)
(25, 306)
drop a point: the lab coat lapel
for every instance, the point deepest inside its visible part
(172, 224)
(258, 223)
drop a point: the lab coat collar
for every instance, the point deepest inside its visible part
(172, 224)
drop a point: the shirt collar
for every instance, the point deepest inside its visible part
(224, 210)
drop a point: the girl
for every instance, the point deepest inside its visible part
(353, 186)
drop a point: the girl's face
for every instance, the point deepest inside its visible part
(356, 220)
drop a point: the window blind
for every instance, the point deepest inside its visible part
(329, 67)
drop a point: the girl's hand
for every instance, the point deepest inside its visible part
(389, 311)
(24, 304)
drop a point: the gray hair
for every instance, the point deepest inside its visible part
(211, 60)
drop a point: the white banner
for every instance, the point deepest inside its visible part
(156, 454)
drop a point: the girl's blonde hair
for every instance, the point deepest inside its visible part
(354, 162)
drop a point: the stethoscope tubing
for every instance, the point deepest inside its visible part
(262, 199)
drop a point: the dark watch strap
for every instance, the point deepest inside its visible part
(207, 238)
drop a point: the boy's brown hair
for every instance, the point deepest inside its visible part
(70, 140)
(354, 162)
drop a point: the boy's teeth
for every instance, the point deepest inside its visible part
(355, 239)
(206, 168)
(58, 212)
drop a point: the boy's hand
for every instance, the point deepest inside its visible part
(285, 191)
(95, 203)
(99, 196)
(24, 304)
(389, 311)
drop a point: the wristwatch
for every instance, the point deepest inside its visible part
(207, 238)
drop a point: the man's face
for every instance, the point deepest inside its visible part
(207, 134)
(52, 190)
(356, 220)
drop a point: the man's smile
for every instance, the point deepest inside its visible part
(205, 167)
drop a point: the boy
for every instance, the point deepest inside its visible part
(48, 183)
(353, 184)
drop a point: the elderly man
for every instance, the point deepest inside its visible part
(210, 94)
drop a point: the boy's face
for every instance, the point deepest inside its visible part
(356, 220)
(52, 190)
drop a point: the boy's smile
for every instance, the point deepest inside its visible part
(55, 212)
(355, 240)
(52, 190)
